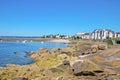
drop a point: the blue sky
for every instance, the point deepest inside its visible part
(38, 17)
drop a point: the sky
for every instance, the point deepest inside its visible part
(43, 17)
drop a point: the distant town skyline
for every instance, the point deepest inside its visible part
(44, 17)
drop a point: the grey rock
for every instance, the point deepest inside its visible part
(20, 78)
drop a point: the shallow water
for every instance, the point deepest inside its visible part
(14, 52)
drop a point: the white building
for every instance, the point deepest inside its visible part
(117, 35)
(87, 36)
(68, 36)
(102, 34)
(81, 34)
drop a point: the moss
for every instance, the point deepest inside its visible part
(56, 70)
(8, 74)
(43, 64)
(109, 42)
(49, 62)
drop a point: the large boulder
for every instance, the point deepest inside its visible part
(102, 46)
(86, 50)
(94, 48)
(83, 51)
(85, 67)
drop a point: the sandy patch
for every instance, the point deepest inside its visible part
(61, 40)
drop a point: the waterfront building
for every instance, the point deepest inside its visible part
(117, 34)
(87, 36)
(103, 34)
(81, 34)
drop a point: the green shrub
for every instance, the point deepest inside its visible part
(109, 42)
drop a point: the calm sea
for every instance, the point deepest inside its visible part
(14, 52)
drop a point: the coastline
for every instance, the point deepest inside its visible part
(34, 39)
(65, 64)
(22, 39)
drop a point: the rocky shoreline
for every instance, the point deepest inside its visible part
(81, 60)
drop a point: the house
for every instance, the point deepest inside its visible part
(102, 34)
(81, 34)
(87, 36)
(57, 36)
(117, 35)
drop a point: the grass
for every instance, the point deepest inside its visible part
(59, 71)
(48, 62)
(113, 38)
(109, 40)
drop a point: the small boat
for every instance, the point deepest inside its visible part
(42, 42)
(24, 41)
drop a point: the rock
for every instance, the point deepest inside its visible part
(57, 70)
(12, 65)
(64, 56)
(66, 62)
(60, 78)
(86, 50)
(30, 53)
(41, 53)
(113, 77)
(83, 51)
(102, 46)
(110, 71)
(16, 52)
(114, 63)
(85, 68)
(64, 66)
(94, 48)
(50, 65)
(98, 59)
(42, 50)
(56, 50)
(20, 78)
(28, 69)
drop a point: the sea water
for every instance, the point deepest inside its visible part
(15, 52)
